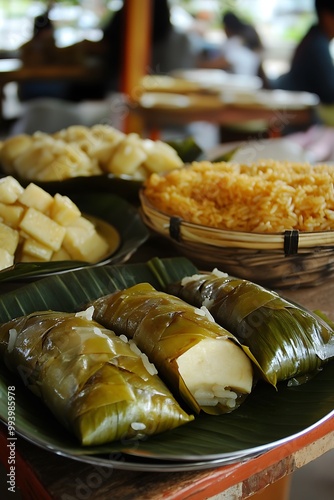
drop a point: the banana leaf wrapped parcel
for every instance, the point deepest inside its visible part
(100, 387)
(284, 340)
(195, 356)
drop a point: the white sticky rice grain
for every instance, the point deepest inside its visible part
(219, 274)
(205, 397)
(189, 279)
(134, 348)
(207, 313)
(229, 402)
(138, 426)
(220, 392)
(203, 394)
(99, 332)
(12, 339)
(207, 402)
(199, 312)
(207, 303)
(86, 314)
(146, 362)
(148, 365)
(216, 395)
(203, 311)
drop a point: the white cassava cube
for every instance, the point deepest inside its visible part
(63, 210)
(10, 189)
(9, 238)
(61, 254)
(11, 214)
(84, 244)
(35, 197)
(43, 229)
(36, 250)
(85, 224)
(6, 259)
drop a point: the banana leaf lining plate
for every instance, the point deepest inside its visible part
(266, 419)
(115, 218)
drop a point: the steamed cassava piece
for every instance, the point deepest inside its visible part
(80, 151)
(199, 359)
(95, 383)
(283, 339)
(38, 227)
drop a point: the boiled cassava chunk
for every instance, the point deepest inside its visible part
(38, 227)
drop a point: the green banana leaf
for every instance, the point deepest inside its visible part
(227, 156)
(283, 339)
(91, 379)
(187, 149)
(190, 151)
(165, 327)
(266, 419)
(111, 209)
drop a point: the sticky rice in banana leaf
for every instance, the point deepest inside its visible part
(198, 358)
(284, 340)
(95, 383)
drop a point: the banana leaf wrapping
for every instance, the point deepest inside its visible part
(95, 384)
(284, 340)
(196, 357)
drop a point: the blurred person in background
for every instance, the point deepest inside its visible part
(170, 47)
(242, 50)
(41, 50)
(311, 68)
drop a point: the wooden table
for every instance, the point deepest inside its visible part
(12, 70)
(55, 477)
(276, 113)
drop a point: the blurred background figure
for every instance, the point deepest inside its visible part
(41, 50)
(312, 68)
(170, 48)
(242, 49)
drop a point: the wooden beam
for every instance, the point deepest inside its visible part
(137, 45)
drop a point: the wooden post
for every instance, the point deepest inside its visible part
(137, 43)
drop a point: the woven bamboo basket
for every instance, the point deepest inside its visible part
(283, 260)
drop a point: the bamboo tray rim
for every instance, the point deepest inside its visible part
(182, 231)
